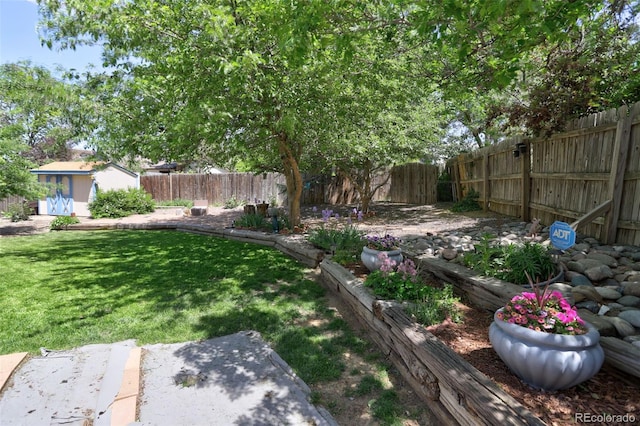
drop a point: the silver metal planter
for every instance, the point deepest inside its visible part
(544, 360)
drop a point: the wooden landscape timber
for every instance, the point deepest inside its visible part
(455, 391)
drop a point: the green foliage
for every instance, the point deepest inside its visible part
(337, 238)
(345, 243)
(18, 212)
(394, 286)
(232, 203)
(437, 305)
(15, 178)
(48, 115)
(386, 407)
(177, 203)
(511, 262)
(63, 222)
(253, 221)
(121, 203)
(468, 203)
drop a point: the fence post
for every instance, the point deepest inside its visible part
(486, 188)
(618, 167)
(525, 182)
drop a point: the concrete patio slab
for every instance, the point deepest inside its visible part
(230, 380)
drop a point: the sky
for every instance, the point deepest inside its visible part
(20, 41)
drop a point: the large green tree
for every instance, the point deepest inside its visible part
(15, 177)
(40, 118)
(284, 85)
(46, 114)
(596, 67)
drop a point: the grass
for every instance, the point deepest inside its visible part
(67, 289)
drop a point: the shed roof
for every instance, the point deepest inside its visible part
(76, 168)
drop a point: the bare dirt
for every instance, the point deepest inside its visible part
(608, 392)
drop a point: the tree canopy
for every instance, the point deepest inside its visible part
(40, 118)
(294, 86)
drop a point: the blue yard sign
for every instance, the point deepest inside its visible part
(562, 235)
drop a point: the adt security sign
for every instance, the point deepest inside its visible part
(562, 235)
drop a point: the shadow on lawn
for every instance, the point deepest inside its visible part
(165, 277)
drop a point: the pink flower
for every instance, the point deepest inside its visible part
(546, 312)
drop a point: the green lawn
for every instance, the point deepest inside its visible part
(65, 289)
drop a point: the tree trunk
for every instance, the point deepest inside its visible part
(292, 176)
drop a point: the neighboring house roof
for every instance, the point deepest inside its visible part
(77, 168)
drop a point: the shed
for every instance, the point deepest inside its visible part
(74, 185)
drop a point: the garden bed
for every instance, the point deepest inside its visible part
(609, 392)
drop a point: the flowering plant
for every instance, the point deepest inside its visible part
(385, 243)
(395, 280)
(546, 311)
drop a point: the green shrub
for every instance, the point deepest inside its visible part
(437, 305)
(253, 221)
(468, 203)
(121, 203)
(232, 203)
(397, 282)
(429, 305)
(63, 222)
(18, 212)
(344, 243)
(512, 262)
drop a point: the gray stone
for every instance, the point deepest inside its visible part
(631, 288)
(625, 261)
(589, 293)
(580, 280)
(449, 253)
(583, 247)
(576, 266)
(612, 283)
(589, 305)
(633, 277)
(421, 245)
(589, 263)
(623, 328)
(608, 293)
(631, 339)
(632, 301)
(632, 316)
(603, 258)
(604, 327)
(599, 273)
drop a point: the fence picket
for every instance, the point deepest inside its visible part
(570, 174)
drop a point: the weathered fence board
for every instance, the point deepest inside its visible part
(564, 176)
(5, 203)
(409, 183)
(216, 188)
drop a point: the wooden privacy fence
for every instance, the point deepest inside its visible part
(5, 203)
(588, 175)
(413, 183)
(216, 188)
